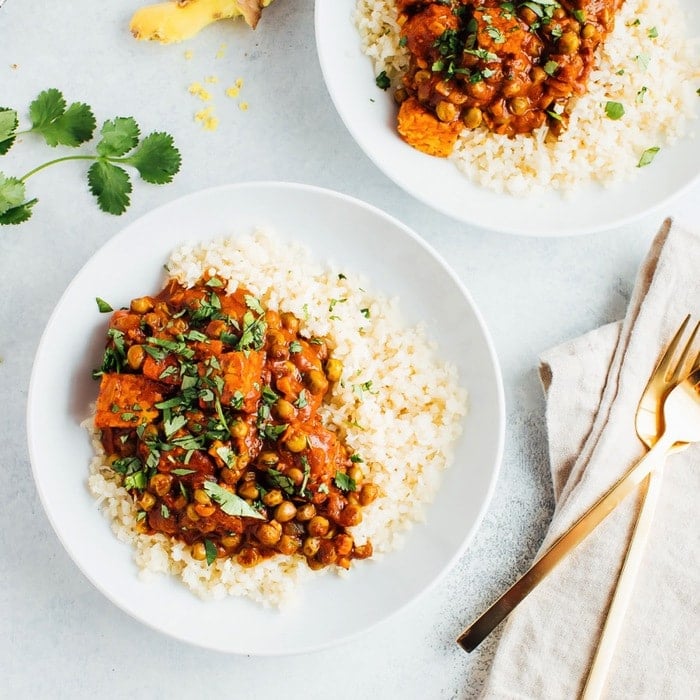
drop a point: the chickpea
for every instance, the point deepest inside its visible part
(268, 459)
(528, 16)
(295, 475)
(160, 484)
(421, 76)
(305, 512)
(141, 305)
(355, 473)
(231, 542)
(176, 326)
(310, 546)
(368, 494)
(318, 384)
(198, 551)
(204, 511)
(334, 369)
(363, 551)
(296, 442)
(472, 118)
(446, 111)
(318, 526)
(343, 562)
(154, 321)
(351, 515)
(568, 43)
(135, 356)
(249, 491)
(538, 75)
(290, 321)
(285, 512)
(588, 31)
(192, 513)
(202, 497)
(314, 564)
(519, 105)
(147, 501)
(288, 544)
(343, 544)
(269, 534)
(248, 557)
(285, 410)
(400, 95)
(326, 553)
(559, 13)
(273, 498)
(239, 429)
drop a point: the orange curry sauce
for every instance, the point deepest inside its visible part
(209, 409)
(511, 66)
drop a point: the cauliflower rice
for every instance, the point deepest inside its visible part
(646, 64)
(398, 406)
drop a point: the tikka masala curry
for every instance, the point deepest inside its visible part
(209, 409)
(510, 66)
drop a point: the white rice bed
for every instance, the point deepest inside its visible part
(594, 148)
(404, 425)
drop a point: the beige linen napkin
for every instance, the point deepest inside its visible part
(592, 385)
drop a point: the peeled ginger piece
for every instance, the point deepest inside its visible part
(177, 20)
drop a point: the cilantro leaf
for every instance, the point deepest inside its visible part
(8, 127)
(156, 158)
(230, 503)
(103, 306)
(11, 193)
(110, 185)
(210, 549)
(344, 482)
(119, 136)
(648, 156)
(614, 110)
(47, 107)
(17, 215)
(60, 125)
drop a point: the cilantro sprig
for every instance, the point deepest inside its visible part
(154, 157)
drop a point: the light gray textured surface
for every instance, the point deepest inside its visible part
(60, 637)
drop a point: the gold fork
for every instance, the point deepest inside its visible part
(681, 418)
(649, 425)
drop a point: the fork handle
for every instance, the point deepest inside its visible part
(597, 674)
(565, 543)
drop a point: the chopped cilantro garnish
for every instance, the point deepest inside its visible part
(230, 503)
(550, 67)
(382, 81)
(103, 306)
(614, 110)
(344, 482)
(648, 156)
(210, 550)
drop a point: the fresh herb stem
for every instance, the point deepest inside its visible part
(53, 162)
(154, 157)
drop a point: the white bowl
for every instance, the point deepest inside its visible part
(370, 116)
(334, 227)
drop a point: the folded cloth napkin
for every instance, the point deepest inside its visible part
(592, 387)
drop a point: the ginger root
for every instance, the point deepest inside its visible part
(177, 20)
